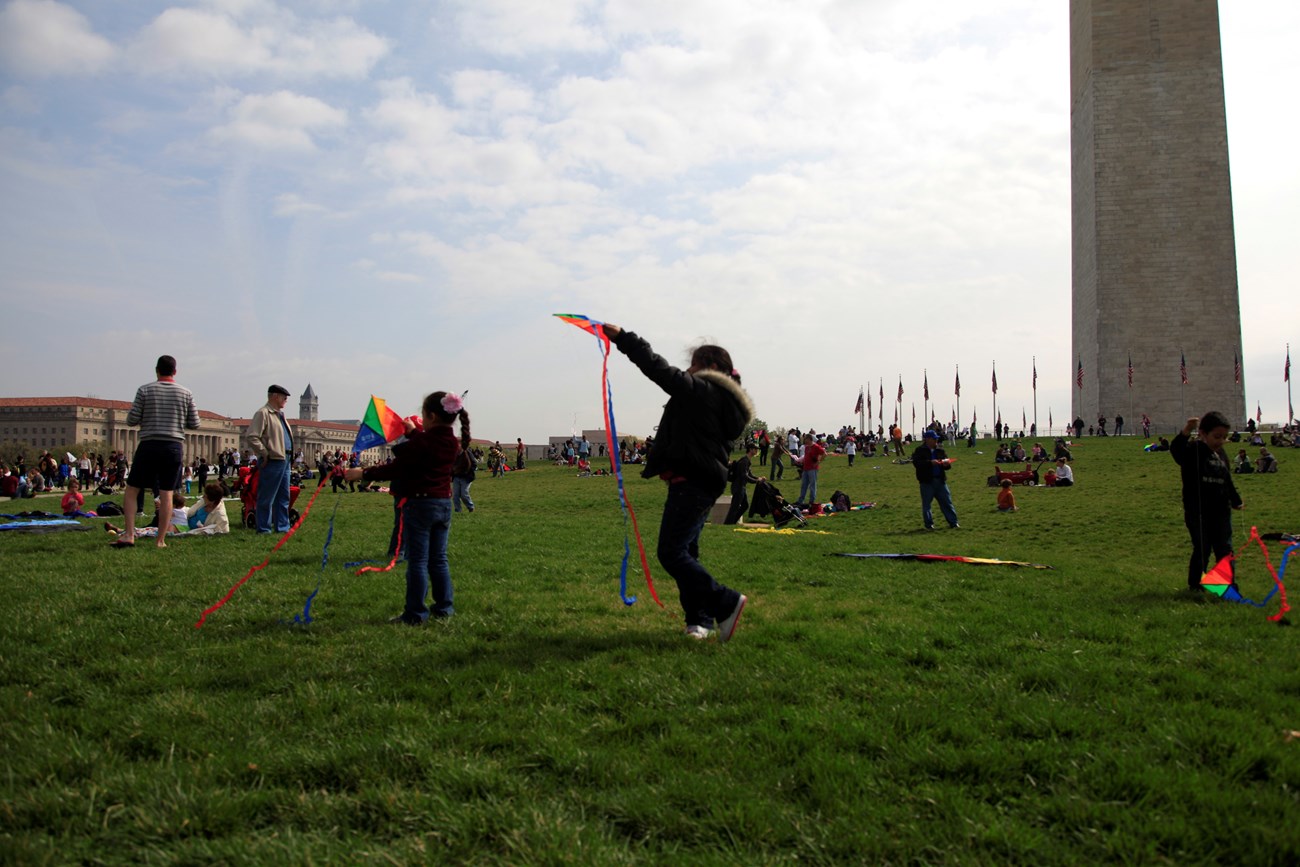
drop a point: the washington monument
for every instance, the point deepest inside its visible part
(1154, 256)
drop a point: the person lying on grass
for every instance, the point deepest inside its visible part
(207, 518)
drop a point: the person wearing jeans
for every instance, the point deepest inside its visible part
(428, 524)
(810, 464)
(706, 414)
(931, 464)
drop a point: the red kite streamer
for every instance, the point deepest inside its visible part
(278, 545)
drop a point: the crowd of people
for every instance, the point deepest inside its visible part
(432, 470)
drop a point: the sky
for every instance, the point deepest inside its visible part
(384, 197)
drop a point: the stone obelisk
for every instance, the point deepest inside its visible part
(1154, 256)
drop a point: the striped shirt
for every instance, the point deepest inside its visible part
(163, 410)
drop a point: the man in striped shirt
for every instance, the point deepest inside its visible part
(164, 411)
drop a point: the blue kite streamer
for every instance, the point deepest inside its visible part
(305, 617)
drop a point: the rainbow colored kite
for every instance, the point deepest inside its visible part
(1221, 580)
(597, 330)
(380, 425)
(944, 558)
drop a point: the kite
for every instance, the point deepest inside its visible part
(379, 425)
(1221, 581)
(951, 558)
(597, 330)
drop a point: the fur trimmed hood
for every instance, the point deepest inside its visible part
(726, 383)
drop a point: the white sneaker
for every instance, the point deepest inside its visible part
(699, 633)
(727, 628)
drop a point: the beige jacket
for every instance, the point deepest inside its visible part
(266, 435)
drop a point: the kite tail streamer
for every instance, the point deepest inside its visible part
(1278, 587)
(1281, 588)
(305, 617)
(260, 566)
(397, 551)
(616, 463)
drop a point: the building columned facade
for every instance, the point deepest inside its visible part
(60, 423)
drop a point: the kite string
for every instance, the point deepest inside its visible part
(260, 566)
(397, 549)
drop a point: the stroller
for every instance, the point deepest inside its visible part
(248, 497)
(768, 501)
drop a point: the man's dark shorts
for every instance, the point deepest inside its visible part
(157, 465)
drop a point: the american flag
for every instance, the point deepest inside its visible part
(925, 385)
(995, 379)
(1182, 367)
(900, 389)
(957, 385)
(1286, 371)
(1035, 374)
(1078, 377)
(1130, 371)
(1236, 368)
(858, 406)
(1259, 413)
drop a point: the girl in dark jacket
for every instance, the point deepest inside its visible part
(706, 413)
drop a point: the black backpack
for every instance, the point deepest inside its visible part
(108, 509)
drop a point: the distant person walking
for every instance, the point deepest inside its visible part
(164, 411)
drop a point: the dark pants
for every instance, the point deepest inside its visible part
(739, 503)
(703, 599)
(1211, 533)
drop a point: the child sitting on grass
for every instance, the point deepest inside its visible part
(73, 500)
(1006, 499)
(209, 517)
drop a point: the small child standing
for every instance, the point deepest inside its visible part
(422, 465)
(1006, 499)
(1208, 492)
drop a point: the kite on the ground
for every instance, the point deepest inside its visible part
(379, 425)
(950, 558)
(597, 330)
(1221, 580)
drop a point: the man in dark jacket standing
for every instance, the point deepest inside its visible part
(931, 464)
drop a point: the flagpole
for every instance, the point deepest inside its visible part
(862, 410)
(1290, 411)
(957, 381)
(1182, 385)
(995, 392)
(925, 397)
(1035, 363)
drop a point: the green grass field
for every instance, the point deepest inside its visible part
(867, 711)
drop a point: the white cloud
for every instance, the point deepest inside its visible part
(279, 121)
(43, 38)
(245, 39)
(520, 27)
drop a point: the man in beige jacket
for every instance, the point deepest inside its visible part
(271, 440)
